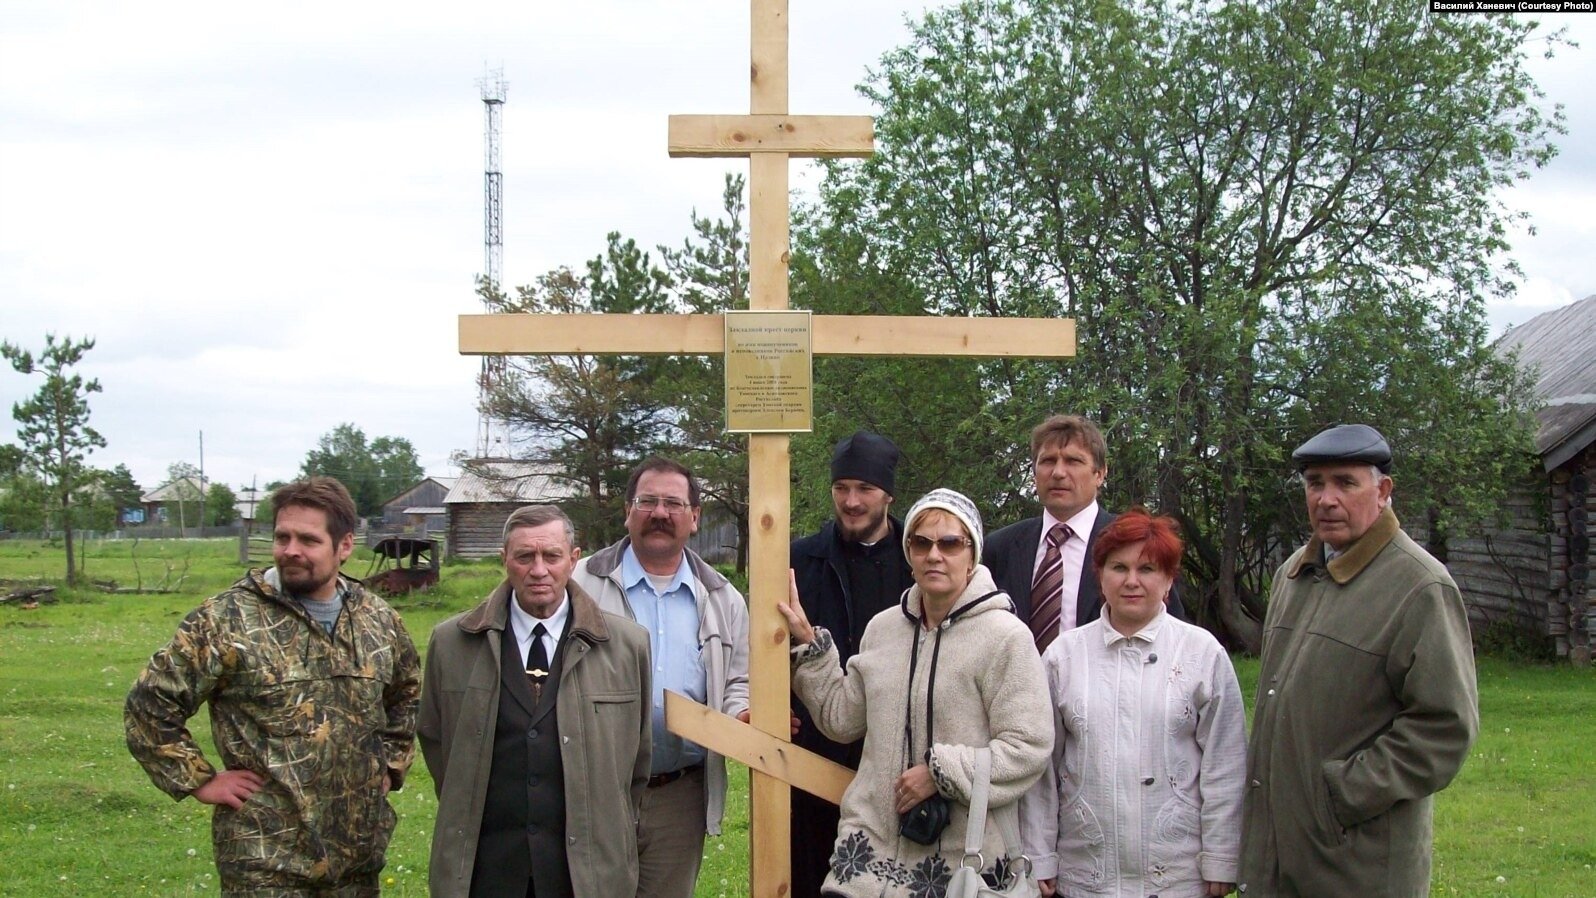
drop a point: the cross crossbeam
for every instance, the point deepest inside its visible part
(867, 335)
(798, 136)
(779, 758)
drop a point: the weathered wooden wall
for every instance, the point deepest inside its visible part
(1535, 571)
(476, 529)
(428, 492)
(716, 539)
(1573, 505)
(1503, 572)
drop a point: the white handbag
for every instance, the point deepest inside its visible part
(967, 881)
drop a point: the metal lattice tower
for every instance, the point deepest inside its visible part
(492, 434)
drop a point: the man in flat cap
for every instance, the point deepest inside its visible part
(849, 570)
(1366, 702)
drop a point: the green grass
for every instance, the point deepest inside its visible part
(78, 817)
(128, 562)
(1521, 817)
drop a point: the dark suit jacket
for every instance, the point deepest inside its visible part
(523, 816)
(1010, 554)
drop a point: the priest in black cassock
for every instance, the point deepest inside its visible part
(847, 572)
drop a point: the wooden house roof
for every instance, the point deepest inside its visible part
(403, 496)
(1560, 348)
(509, 482)
(186, 489)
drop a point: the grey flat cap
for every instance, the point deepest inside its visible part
(1345, 444)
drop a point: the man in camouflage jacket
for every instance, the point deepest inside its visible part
(313, 686)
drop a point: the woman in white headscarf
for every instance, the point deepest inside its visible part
(949, 671)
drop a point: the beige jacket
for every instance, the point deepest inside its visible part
(990, 692)
(722, 645)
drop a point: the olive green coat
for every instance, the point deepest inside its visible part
(606, 740)
(324, 718)
(1366, 707)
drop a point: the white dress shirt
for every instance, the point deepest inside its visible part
(522, 623)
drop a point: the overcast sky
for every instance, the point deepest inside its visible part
(269, 215)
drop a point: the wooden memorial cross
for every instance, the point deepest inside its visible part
(770, 137)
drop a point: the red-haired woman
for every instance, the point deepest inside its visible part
(1143, 795)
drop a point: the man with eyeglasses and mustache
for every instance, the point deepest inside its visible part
(850, 569)
(697, 624)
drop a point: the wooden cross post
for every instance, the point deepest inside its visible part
(770, 137)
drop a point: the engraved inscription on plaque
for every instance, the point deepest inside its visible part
(769, 372)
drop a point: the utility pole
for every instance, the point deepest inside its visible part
(202, 484)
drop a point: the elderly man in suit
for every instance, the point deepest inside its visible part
(535, 723)
(1043, 562)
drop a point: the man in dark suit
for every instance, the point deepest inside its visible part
(536, 725)
(1044, 563)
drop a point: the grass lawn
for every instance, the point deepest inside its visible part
(78, 817)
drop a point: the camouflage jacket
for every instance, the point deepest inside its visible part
(323, 718)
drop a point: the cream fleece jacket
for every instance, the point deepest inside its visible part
(990, 692)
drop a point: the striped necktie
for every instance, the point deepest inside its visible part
(1047, 590)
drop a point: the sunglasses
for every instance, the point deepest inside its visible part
(947, 545)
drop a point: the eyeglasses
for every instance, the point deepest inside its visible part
(947, 545)
(672, 505)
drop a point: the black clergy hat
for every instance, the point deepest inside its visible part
(866, 456)
(1345, 444)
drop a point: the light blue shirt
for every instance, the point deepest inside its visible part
(671, 618)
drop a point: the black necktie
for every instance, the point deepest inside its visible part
(537, 662)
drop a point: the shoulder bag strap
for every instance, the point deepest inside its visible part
(975, 826)
(1008, 825)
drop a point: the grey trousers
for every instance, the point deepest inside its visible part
(670, 838)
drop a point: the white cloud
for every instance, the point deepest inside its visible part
(270, 215)
(1535, 295)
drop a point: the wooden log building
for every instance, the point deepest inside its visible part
(483, 497)
(1535, 573)
(417, 508)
